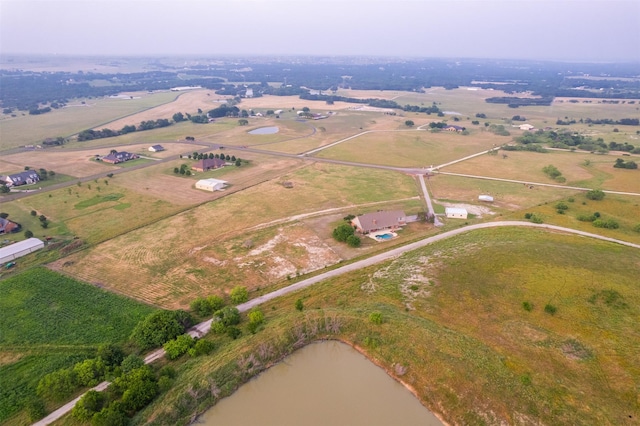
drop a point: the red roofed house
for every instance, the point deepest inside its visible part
(208, 164)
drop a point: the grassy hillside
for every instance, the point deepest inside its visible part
(49, 322)
(455, 330)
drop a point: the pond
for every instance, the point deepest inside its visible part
(324, 383)
(264, 131)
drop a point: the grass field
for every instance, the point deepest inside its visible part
(170, 262)
(75, 117)
(50, 321)
(455, 324)
(411, 148)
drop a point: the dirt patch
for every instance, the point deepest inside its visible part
(7, 358)
(72, 163)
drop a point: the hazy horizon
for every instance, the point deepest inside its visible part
(563, 30)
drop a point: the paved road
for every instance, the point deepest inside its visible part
(203, 328)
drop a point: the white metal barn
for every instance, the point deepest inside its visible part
(211, 184)
(21, 248)
(487, 198)
(456, 213)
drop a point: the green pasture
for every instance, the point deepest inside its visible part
(50, 321)
(455, 323)
(33, 129)
(417, 148)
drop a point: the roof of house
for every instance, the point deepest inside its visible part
(23, 176)
(209, 163)
(157, 147)
(455, 210)
(211, 181)
(456, 128)
(381, 220)
(119, 156)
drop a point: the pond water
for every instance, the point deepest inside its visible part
(324, 383)
(264, 131)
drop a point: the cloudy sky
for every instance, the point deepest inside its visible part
(566, 30)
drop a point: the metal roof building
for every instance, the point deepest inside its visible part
(21, 248)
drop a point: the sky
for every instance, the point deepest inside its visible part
(559, 30)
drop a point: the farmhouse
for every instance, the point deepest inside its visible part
(208, 164)
(379, 220)
(156, 148)
(211, 184)
(119, 157)
(452, 128)
(23, 178)
(7, 226)
(456, 213)
(21, 248)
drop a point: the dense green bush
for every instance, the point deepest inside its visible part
(595, 194)
(239, 295)
(160, 327)
(178, 346)
(606, 223)
(342, 232)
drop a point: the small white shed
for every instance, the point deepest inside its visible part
(456, 212)
(487, 198)
(21, 248)
(211, 184)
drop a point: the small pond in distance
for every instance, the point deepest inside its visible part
(264, 131)
(324, 383)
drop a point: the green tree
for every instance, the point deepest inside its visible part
(228, 315)
(353, 241)
(110, 416)
(239, 294)
(131, 362)
(90, 403)
(202, 347)
(28, 234)
(178, 117)
(409, 123)
(595, 194)
(256, 319)
(179, 346)
(299, 305)
(90, 371)
(160, 327)
(4, 189)
(243, 122)
(58, 385)
(36, 409)
(342, 232)
(112, 355)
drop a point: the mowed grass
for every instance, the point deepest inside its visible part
(50, 321)
(453, 319)
(411, 148)
(33, 129)
(154, 262)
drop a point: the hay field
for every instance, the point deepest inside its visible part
(75, 117)
(411, 148)
(72, 163)
(154, 263)
(527, 166)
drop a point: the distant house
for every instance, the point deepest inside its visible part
(211, 184)
(456, 212)
(452, 128)
(208, 164)
(379, 220)
(156, 148)
(527, 127)
(119, 157)
(23, 178)
(6, 226)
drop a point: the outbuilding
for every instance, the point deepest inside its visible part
(156, 148)
(487, 198)
(19, 249)
(456, 212)
(211, 184)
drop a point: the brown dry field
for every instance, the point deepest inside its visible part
(72, 163)
(527, 166)
(163, 263)
(186, 102)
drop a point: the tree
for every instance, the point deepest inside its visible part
(238, 163)
(239, 295)
(112, 355)
(243, 122)
(178, 117)
(353, 241)
(409, 123)
(179, 346)
(595, 194)
(4, 189)
(256, 318)
(28, 234)
(90, 371)
(58, 385)
(131, 362)
(299, 305)
(160, 327)
(342, 232)
(90, 403)
(228, 315)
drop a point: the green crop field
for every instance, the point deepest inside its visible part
(454, 330)
(50, 321)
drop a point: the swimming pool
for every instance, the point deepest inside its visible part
(384, 236)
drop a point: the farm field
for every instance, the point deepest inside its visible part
(172, 261)
(50, 321)
(75, 117)
(580, 169)
(489, 360)
(411, 148)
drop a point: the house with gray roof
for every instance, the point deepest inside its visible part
(23, 178)
(380, 220)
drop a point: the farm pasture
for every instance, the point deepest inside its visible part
(76, 116)
(411, 148)
(154, 262)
